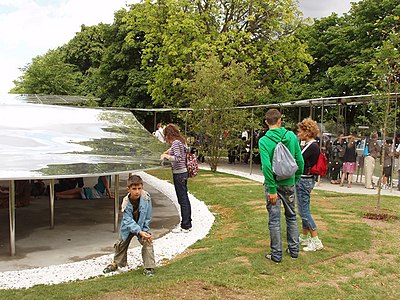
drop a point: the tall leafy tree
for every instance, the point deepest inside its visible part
(49, 74)
(182, 32)
(85, 50)
(121, 79)
(343, 49)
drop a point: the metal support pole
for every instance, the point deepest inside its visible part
(186, 122)
(116, 202)
(51, 194)
(299, 113)
(322, 123)
(11, 211)
(251, 141)
(155, 121)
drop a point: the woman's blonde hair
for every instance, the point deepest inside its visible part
(172, 133)
(309, 127)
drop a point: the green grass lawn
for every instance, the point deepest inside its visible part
(360, 259)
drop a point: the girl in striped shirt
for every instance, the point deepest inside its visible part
(177, 155)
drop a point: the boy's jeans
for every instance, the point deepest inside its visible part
(286, 197)
(303, 190)
(121, 252)
(180, 183)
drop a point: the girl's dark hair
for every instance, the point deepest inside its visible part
(172, 133)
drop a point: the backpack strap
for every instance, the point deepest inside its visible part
(284, 135)
(281, 137)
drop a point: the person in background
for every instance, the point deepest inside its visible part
(136, 208)
(336, 161)
(387, 163)
(65, 184)
(307, 131)
(349, 161)
(280, 191)
(369, 160)
(159, 133)
(177, 155)
(23, 190)
(100, 190)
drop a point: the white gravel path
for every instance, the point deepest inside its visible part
(165, 247)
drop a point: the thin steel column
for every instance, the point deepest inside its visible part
(11, 211)
(299, 114)
(116, 202)
(251, 141)
(51, 195)
(322, 123)
(155, 121)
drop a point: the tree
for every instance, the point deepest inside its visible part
(49, 74)
(343, 49)
(180, 33)
(121, 80)
(85, 50)
(213, 92)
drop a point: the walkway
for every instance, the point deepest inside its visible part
(255, 173)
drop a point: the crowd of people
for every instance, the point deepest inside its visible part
(347, 155)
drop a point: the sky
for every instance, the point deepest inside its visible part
(30, 28)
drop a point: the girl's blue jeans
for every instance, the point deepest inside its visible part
(303, 191)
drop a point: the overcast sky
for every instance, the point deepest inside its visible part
(29, 28)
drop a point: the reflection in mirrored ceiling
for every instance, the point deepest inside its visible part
(51, 141)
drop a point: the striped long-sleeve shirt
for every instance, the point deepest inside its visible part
(178, 152)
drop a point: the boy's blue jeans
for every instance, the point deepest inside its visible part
(287, 198)
(303, 191)
(180, 183)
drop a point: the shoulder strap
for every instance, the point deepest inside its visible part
(307, 145)
(284, 135)
(281, 137)
(271, 139)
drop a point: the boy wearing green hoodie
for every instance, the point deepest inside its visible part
(280, 191)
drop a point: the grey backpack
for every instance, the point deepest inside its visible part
(283, 164)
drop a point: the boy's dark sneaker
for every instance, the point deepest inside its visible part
(291, 255)
(269, 256)
(110, 268)
(148, 272)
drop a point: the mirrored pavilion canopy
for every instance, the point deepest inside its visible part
(40, 141)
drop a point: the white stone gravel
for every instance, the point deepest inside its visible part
(165, 247)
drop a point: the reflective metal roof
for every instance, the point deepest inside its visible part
(51, 141)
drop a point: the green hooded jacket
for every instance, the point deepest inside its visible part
(267, 147)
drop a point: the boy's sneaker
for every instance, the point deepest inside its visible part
(304, 240)
(314, 245)
(110, 268)
(269, 256)
(181, 230)
(148, 272)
